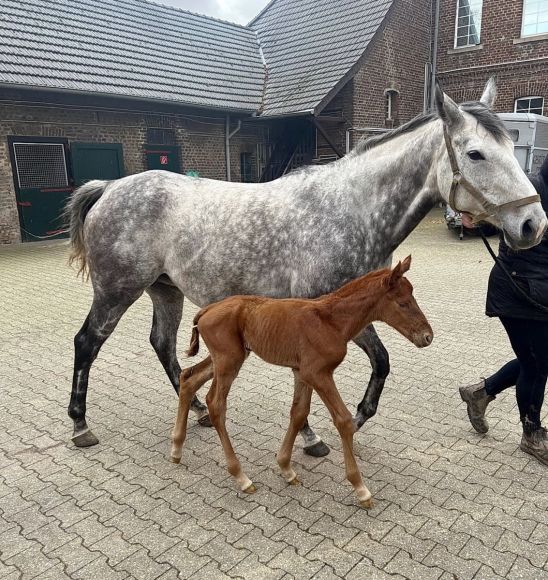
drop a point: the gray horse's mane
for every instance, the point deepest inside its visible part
(484, 116)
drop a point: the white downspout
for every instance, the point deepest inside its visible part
(228, 137)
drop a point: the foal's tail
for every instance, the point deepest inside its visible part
(194, 346)
(76, 210)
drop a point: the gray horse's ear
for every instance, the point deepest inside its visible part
(448, 110)
(489, 93)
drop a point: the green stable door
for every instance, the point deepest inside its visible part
(96, 161)
(166, 157)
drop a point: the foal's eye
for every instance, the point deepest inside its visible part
(404, 305)
(475, 155)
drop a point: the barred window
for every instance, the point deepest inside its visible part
(529, 105)
(468, 26)
(40, 165)
(535, 17)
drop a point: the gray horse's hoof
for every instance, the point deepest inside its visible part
(85, 439)
(319, 449)
(205, 421)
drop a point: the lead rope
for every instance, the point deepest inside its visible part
(498, 261)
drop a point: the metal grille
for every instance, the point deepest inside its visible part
(40, 165)
(161, 136)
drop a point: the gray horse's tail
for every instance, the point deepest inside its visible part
(81, 201)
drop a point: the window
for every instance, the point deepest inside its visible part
(535, 17)
(529, 105)
(40, 165)
(246, 167)
(392, 105)
(468, 26)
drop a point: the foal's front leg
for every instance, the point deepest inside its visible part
(299, 412)
(342, 418)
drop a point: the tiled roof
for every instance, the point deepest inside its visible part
(132, 48)
(311, 45)
(136, 48)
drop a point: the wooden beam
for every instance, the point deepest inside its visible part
(318, 126)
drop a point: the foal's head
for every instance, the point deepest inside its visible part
(399, 309)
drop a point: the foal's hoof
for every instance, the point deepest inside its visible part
(294, 481)
(319, 449)
(175, 459)
(205, 421)
(250, 489)
(85, 439)
(367, 503)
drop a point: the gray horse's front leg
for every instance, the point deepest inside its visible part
(370, 342)
(313, 445)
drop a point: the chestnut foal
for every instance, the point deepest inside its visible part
(309, 336)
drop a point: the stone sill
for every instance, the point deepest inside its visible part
(534, 38)
(465, 49)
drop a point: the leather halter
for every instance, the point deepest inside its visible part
(490, 209)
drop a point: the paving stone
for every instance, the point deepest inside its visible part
(497, 561)
(99, 569)
(226, 555)
(295, 565)
(32, 562)
(115, 548)
(403, 565)
(341, 561)
(141, 565)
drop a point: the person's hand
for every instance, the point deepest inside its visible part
(467, 221)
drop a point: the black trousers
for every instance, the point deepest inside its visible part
(528, 372)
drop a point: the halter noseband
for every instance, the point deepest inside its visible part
(459, 179)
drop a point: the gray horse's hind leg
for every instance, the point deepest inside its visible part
(370, 342)
(313, 445)
(167, 302)
(98, 326)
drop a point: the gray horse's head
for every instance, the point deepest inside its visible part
(484, 153)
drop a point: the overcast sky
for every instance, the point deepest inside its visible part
(241, 11)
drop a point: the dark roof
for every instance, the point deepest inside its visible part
(311, 47)
(136, 48)
(130, 48)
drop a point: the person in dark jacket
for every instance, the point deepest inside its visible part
(527, 329)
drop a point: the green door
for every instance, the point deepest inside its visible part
(42, 185)
(164, 157)
(96, 161)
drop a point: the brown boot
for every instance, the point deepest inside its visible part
(476, 399)
(536, 444)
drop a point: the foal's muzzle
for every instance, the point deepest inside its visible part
(423, 339)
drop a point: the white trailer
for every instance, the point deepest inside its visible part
(530, 135)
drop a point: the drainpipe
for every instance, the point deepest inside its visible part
(228, 137)
(434, 55)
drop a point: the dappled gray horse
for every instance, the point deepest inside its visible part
(302, 235)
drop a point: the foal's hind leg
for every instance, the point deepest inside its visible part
(299, 412)
(225, 373)
(167, 302)
(187, 391)
(98, 326)
(370, 342)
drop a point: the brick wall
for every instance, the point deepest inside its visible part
(395, 60)
(200, 137)
(521, 68)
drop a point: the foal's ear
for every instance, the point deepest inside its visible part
(406, 264)
(395, 275)
(489, 93)
(448, 110)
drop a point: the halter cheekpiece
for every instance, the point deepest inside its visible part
(459, 179)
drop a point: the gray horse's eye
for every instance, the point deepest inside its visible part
(475, 155)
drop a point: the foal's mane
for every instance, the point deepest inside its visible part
(483, 115)
(363, 281)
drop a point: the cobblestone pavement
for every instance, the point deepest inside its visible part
(448, 503)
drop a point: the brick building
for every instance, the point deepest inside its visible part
(507, 39)
(90, 89)
(94, 89)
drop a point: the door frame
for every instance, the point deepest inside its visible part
(13, 139)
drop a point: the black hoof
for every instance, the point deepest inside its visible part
(205, 421)
(85, 439)
(319, 449)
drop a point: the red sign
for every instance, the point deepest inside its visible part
(163, 159)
